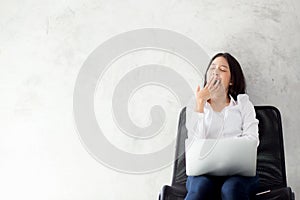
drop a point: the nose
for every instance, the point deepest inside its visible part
(216, 71)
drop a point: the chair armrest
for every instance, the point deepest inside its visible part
(172, 193)
(277, 194)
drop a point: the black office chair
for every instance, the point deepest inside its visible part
(270, 159)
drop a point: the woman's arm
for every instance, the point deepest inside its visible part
(194, 121)
(250, 123)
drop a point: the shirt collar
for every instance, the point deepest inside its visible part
(232, 101)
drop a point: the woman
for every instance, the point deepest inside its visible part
(222, 99)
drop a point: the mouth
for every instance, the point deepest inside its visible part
(218, 81)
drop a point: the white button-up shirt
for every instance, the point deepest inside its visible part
(238, 119)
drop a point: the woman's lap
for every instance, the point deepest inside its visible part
(231, 187)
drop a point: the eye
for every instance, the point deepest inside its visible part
(223, 69)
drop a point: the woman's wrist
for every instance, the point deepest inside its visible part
(200, 106)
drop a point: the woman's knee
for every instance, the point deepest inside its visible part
(199, 183)
(234, 188)
(199, 187)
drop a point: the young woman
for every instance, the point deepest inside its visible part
(222, 99)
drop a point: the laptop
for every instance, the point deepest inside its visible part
(221, 157)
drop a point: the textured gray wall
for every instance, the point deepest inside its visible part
(43, 45)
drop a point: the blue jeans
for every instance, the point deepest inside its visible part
(221, 187)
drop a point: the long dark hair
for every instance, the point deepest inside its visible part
(237, 77)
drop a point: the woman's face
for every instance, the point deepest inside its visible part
(220, 68)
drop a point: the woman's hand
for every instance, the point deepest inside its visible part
(214, 89)
(203, 95)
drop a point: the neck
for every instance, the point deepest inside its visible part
(218, 103)
(220, 99)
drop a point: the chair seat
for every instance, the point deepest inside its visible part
(178, 193)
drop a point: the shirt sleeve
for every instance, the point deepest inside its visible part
(194, 121)
(250, 123)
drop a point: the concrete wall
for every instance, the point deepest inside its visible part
(43, 45)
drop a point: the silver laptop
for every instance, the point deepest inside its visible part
(221, 157)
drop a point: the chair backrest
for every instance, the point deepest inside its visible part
(270, 157)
